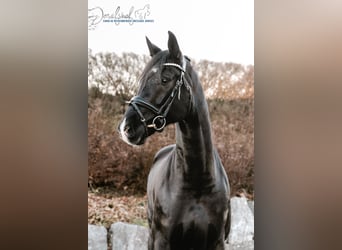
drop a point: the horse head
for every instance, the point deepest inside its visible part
(164, 94)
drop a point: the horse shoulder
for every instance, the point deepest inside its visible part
(222, 179)
(159, 170)
(163, 153)
(160, 167)
(220, 171)
(157, 185)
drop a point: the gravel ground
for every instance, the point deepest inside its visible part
(107, 206)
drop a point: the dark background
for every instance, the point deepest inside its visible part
(43, 128)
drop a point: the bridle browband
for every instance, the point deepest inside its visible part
(159, 121)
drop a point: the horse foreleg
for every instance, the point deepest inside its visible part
(160, 242)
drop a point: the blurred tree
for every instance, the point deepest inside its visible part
(119, 74)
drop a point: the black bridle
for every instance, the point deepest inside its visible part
(159, 121)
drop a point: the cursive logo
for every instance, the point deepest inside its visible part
(119, 16)
(97, 15)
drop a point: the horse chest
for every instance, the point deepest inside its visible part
(185, 209)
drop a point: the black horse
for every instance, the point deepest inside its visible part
(188, 190)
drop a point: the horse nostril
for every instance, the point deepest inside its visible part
(129, 131)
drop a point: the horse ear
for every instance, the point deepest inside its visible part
(152, 48)
(173, 47)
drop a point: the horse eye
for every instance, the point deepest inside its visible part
(164, 80)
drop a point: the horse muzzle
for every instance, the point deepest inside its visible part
(132, 135)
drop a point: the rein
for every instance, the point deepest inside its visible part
(159, 121)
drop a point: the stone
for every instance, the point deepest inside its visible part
(242, 221)
(251, 205)
(247, 245)
(128, 237)
(133, 237)
(97, 237)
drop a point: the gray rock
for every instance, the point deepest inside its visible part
(97, 237)
(128, 237)
(251, 205)
(133, 237)
(242, 221)
(247, 245)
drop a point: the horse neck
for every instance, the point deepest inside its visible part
(193, 142)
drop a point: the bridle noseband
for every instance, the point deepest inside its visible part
(159, 121)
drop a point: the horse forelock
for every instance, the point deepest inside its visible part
(155, 64)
